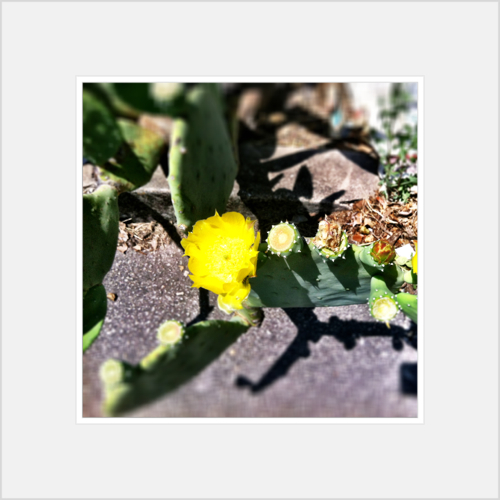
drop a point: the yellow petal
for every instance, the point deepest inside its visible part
(414, 260)
(233, 219)
(209, 283)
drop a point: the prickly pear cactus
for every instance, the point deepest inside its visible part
(202, 167)
(327, 271)
(408, 303)
(163, 370)
(309, 279)
(95, 305)
(100, 234)
(101, 135)
(135, 162)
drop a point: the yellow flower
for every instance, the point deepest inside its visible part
(414, 259)
(223, 255)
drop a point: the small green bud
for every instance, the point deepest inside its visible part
(383, 252)
(170, 332)
(112, 372)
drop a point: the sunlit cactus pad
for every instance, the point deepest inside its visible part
(308, 279)
(202, 167)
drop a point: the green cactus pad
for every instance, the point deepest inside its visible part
(409, 305)
(95, 304)
(202, 168)
(105, 91)
(283, 239)
(100, 234)
(202, 344)
(134, 164)
(101, 135)
(308, 279)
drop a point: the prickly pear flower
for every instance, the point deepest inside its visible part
(223, 254)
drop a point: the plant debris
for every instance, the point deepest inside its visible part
(377, 218)
(143, 237)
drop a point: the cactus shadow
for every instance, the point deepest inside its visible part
(310, 329)
(408, 378)
(205, 308)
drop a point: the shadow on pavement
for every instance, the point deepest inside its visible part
(310, 329)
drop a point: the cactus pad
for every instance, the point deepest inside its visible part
(202, 344)
(308, 279)
(101, 135)
(137, 159)
(202, 168)
(100, 234)
(409, 305)
(95, 304)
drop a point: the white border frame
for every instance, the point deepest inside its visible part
(79, 244)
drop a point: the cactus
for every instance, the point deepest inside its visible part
(100, 234)
(95, 305)
(134, 164)
(308, 279)
(169, 336)
(126, 387)
(284, 239)
(202, 168)
(101, 135)
(409, 305)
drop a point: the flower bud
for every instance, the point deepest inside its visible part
(383, 252)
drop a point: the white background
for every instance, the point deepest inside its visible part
(45, 454)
